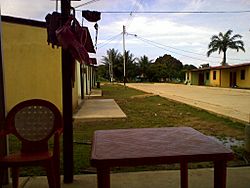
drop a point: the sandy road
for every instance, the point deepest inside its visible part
(233, 103)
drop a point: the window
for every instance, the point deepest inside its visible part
(207, 75)
(242, 74)
(214, 75)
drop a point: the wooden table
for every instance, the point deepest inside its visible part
(151, 146)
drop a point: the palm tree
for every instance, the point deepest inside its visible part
(130, 65)
(222, 42)
(111, 61)
(143, 63)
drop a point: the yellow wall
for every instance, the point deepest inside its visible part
(225, 78)
(215, 82)
(75, 93)
(243, 83)
(32, 68)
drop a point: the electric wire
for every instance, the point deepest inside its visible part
(87, 3)
(186, 51)
(135, 8)
(100, 45)
(178, 12)
(160, 47)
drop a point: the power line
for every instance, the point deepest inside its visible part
(234, 59)
(129, 21)
(177, 12)
(155, 45)
(108, 40)
(175, 52)
(87, 3)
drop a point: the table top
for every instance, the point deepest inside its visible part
(146, 146)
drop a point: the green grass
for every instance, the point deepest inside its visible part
(144, 110)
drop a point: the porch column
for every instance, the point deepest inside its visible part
(3, 141)
(67, 104)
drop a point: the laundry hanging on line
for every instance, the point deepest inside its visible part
(53, 22)
(70, 36)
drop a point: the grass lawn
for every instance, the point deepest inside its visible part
(146, 110)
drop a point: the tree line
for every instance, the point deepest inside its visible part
(164, 69)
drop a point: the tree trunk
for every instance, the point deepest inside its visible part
(223, 63)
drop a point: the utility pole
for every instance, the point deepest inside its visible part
(3, 140)
(124, 56)
(111, 70)
(67, 59)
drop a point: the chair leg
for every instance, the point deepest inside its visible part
(15, 175)
(51, 174)
(1, 177)
(57, 173)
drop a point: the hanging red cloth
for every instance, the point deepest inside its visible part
(69, 41)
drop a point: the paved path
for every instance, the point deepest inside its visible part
(199, 178)
(99, 109)
(233, 103)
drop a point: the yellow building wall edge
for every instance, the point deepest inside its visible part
(32, 67)
(214, 82)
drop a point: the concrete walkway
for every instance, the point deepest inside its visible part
(95, 93)
(99, 109)
(233, 103)
(199, 178)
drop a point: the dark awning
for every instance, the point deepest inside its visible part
(92, 61)
(89, 43)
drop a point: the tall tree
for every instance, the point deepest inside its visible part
(222, 42)
(173, 66)
(131, 68)
(143, 65)
(111, 62)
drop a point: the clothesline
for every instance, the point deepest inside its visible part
(174, 12)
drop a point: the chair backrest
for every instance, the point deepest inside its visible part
(33, 122)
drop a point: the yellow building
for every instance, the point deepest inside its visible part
(32, 68)
(221, 76)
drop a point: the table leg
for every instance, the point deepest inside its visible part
(103, 177)
(220, 174)
(184, 175)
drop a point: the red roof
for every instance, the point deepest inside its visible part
(221, 67)
(89, 43)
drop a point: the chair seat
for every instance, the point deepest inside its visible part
(28, 159)
(34, 123)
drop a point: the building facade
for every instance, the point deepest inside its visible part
(221, 76)
(32, 68)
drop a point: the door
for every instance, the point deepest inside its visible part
(201, 79)
(233, 79)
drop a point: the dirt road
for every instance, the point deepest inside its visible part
(233, 103)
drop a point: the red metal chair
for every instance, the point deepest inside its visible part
(34, 122)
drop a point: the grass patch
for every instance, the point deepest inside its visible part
(145, 110)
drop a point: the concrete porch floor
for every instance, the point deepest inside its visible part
(99, 109)
(200, 178)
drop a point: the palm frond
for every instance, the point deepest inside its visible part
(222, 42)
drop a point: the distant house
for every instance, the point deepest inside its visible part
(32, 68)
(221, 76)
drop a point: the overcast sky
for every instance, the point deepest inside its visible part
(184, 36)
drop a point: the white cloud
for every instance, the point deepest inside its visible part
(190, 32)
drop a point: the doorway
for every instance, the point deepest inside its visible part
(201, 79)
(233, 79)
